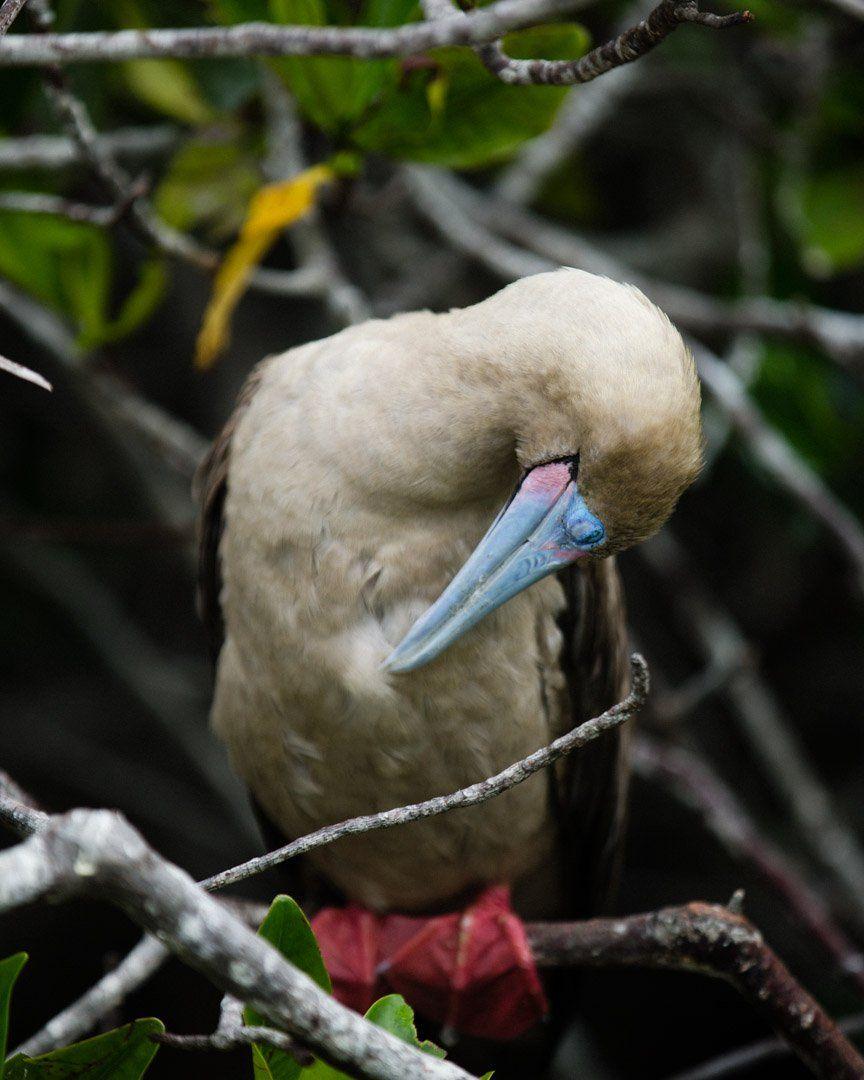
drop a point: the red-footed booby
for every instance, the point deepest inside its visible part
(406, 542)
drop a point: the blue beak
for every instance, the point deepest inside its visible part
(544, 527)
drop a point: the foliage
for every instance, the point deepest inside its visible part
(122, 1054)
(126, 1052)
(288, 929)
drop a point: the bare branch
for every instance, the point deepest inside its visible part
(144, 959)
(690, 779)
(467, 219)
(264, 39)
(103, 997)
(37, 203)
(58, 151)
(25, 373)
(468, 796)
(231, 1033)
(839, 334)
(124, 410)
(807, 800)
(627, 47)
(9, 12)
(630, 45)
(235, 1038)
(98, 854)
(316, 254)
(714, 941)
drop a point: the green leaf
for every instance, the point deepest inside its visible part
(832, 217)
(122, 1054)
(335, 91)
(236, 11)
(168, 87)
(288, 929)
(470, 118)
(208, 185)
(63, 263)
(70, 267)
(394, 1014)
(10, 969)
(136, 309)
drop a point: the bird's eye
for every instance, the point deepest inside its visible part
(586, 530)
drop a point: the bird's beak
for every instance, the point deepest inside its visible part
(544, 527)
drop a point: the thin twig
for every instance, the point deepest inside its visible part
(237, 1037)
(37, 203)
(468, 796)
(79, 1016)
(231, 1033)
(59, 151)
(25, 373)
(314, 251)
(714, 941)
(9, 12)
(264, 39)
(630, 45)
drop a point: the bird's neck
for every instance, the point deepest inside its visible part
(421, 417)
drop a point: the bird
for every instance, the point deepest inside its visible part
(407, 564)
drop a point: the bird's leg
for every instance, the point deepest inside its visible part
(470, 970)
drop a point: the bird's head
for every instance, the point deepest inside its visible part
(602, 401)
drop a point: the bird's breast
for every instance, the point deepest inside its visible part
(321, 733)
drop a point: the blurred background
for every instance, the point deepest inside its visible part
(724, 173)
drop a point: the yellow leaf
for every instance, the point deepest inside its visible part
(272, 209)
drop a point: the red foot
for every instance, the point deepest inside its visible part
(471, 970)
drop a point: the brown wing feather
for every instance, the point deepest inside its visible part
(592, 787)
(209, 488)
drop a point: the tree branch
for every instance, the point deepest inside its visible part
(468, 796)
(762, 720)
(9, 12)
(59, 151)
(691, 780)
(102, 217)
(25, 373)
(630, 45)
(714, 941)
(264, 39)
(97, 853)
(146, 957)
